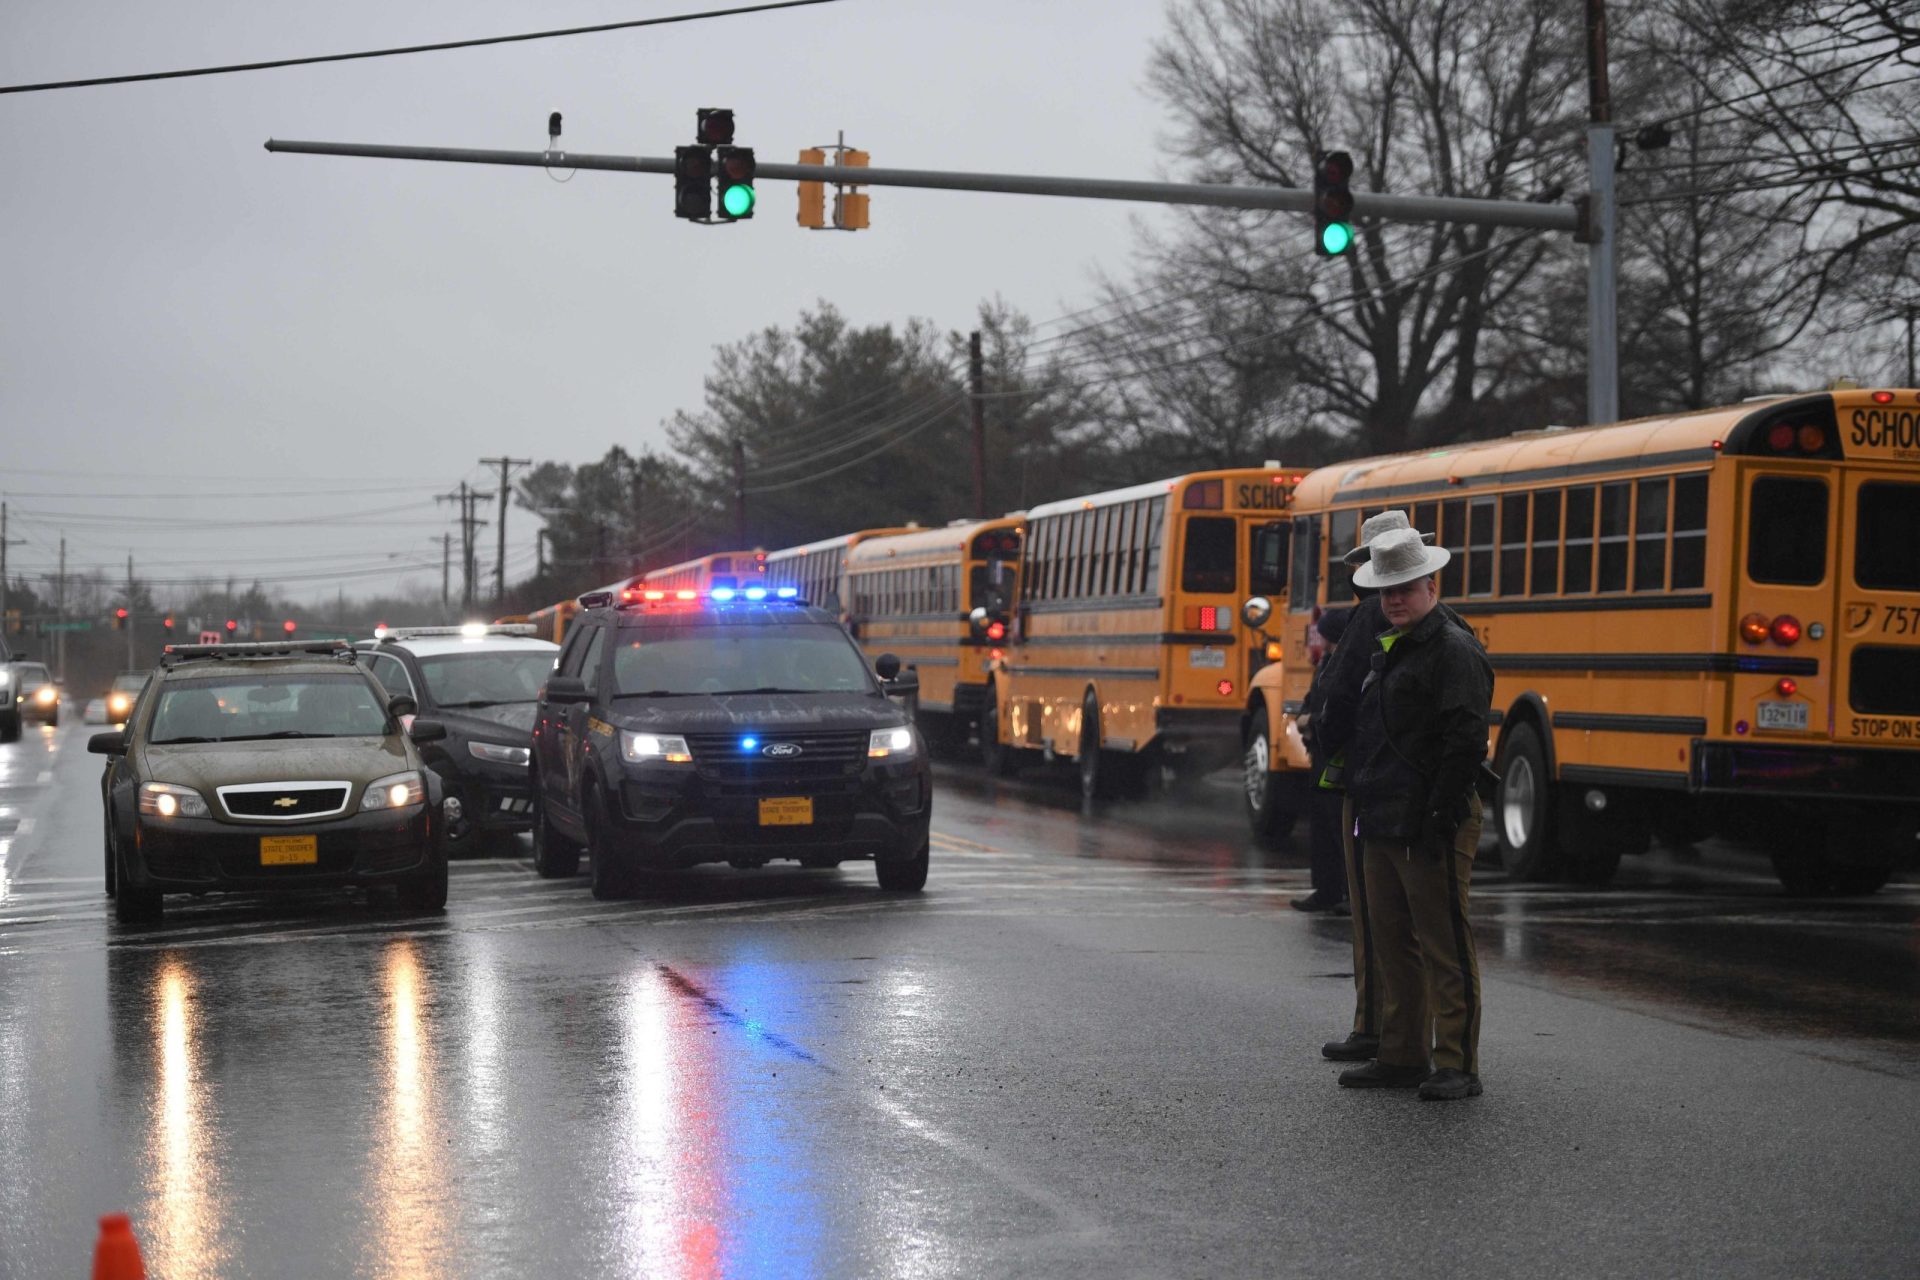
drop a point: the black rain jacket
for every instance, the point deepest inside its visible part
(1341, 676)
(1421, 729)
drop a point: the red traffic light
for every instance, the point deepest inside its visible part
(167, 622)
(120, 614)
(232, 626)
(288, 626)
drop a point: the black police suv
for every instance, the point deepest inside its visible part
(267, 766)
(733, 727)
(483, 683)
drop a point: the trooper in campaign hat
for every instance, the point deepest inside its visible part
(1418, 741)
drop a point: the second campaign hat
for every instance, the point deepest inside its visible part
(1385, 522)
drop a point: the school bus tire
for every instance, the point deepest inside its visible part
(1096, 778)
(1524, 807)
(996, 757)
(1271, 802)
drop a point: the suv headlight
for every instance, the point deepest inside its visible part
(395, 791)
(670, 747)
(164, 800)
(497, 753)
(890, 742)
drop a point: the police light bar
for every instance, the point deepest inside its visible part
(468, 630)
(257, 649)
(634, 597)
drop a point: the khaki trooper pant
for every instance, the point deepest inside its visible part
(1422, 942)
(1366, 984)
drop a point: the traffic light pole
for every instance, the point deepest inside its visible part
(1603, 367)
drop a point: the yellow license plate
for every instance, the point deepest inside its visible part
(786, 811)
(289, 851)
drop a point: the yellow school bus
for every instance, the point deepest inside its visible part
(941, 601)
(733, 569)
(1127, 654)
(554, 620)
(1705, 622)
(819, 569)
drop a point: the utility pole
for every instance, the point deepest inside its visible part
(977, 385)
(60, 607)
(131, 617)
(446, 569)
(739, 493)
(500, 565)
(6, 542)
(1603, 367)
(1911, 312)
(467, 496)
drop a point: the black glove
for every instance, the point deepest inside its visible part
(1437, 831)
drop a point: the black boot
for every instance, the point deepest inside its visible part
(1448, 1085)
(1382, 1075)
(1357, 1047)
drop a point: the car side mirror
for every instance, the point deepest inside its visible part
(427, 731)
(107, 744)
(903, 684)
(567, 689)
(402, 704)
(886, 666)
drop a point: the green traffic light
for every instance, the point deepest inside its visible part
(738, 201)
(1336, 237)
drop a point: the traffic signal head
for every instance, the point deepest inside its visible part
(813, 195)
(167, 622)
(119, 619)
(232, 626)
(1332, 203)
(693, 183)
(289, 626)
(736, 170)
(713, 126)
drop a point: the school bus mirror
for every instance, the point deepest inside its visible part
(978, 618)
(1256, 611)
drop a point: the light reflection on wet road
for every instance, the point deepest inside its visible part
(1088, 1049)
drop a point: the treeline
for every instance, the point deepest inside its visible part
(1769, 182)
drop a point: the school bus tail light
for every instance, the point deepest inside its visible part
(1883, 397)
(1787, 687)
(1224, 688)
(1785, 630)
(1754, 628)
(1205, 495)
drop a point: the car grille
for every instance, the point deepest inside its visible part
(823, 758)
(1885, 681)
(291, 801)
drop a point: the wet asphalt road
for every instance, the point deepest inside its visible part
(1090, 1049)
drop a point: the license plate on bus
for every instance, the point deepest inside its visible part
(1782, 715)
(289, 851)
(1215, 658)
(786, 811)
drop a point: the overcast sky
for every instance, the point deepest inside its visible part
(200, 339)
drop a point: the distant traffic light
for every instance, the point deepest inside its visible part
(713, 126)
(813, 195)
(850, 207)
(167, 623)
(119, 619)
(736, 169)
(693, 183)
(1332, 203)
(289, 626)
(232, 626)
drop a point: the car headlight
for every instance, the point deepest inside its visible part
(46, 694)
(165, 800)
(497, 753)
(117, 702)
(395, 791)
(671, 748)
(883, 743)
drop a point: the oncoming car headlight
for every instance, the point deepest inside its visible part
(890, 742)
(46, 695)
(395, 791)
(670, 747)
(165, 800)
(497, 753)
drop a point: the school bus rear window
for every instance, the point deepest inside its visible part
(1886, 545)
(1787, 531)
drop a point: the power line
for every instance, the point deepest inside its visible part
(406, 49)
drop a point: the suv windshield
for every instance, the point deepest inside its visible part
(483, 679)
(31, 675)
(738, 659)
(242, 707)
(131, 682)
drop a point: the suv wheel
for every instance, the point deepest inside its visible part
(133, 905)
(609, 879)
(554, 856)
(111, 869)
(904, 875)
(428, 890)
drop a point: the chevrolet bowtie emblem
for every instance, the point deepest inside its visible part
(286, 802)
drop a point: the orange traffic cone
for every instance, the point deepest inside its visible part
(117, 1256)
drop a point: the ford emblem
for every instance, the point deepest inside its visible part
(781, 750)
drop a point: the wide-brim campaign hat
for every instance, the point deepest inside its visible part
(1397, 557)
(1385, 522)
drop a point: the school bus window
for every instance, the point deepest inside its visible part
(1156, 534)
(1886, 541)
(1546, 543)
(1883, 680)
(1267, 558)
(1513, 544)
(1650, 536)
(1342, 528)
(1426, 517)
(1207, 563)
(1787, 531)
(1306, 565)
(1109, 548)
(1082, 554)
(1452, 535)
(1616, 512)
(1480, 547)
(1143, 539)
(1689, 532)
(1579, 542)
